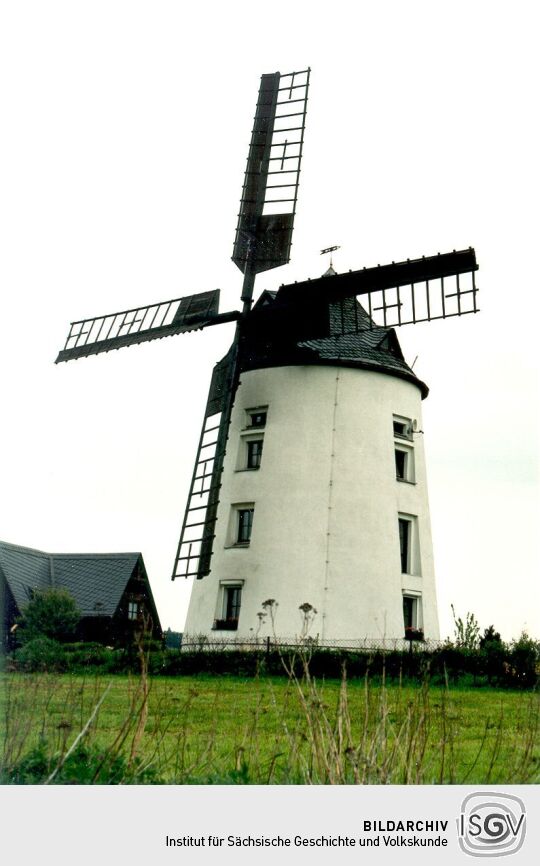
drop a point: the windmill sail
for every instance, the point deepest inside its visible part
(196, 540)
(262, 242)
(401, 293)
(113, 331)
(270, 191)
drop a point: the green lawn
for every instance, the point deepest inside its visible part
(228, 729)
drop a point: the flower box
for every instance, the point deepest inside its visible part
(225, 625)
(412, 633)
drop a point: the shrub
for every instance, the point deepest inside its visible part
(494, 655)
(524, 658)
(51, 613)
(490, 636)
(41, 654)
(467, 633)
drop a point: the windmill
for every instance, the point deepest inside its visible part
(309, 481)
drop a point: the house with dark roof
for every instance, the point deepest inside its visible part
(111, 590)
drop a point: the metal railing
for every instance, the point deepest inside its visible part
(271, 644)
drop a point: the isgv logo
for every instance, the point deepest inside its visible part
(491, 824)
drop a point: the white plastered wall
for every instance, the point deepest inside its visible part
(326, 502)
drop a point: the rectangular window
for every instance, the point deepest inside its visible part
(405, 545)
(228, 610)
(232, 601)
(254, 453)
(409, 611)
(245, 525)
(412, 617)
(404, 457)
(401, 464)
(133, 610)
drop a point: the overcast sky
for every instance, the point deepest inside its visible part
(126, 128)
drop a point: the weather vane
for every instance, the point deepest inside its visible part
(330, 250)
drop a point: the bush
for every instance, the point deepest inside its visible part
(514, 666)
(51, 613)
(41, 654)
(490, 636)
(524, 659)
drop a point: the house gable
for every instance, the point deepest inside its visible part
(102, 585)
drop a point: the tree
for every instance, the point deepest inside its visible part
(494, 653)
(51, 613)
(490, 636)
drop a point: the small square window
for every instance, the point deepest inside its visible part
(254, 453)
(257, 418)
(403, 428)
(245, 525)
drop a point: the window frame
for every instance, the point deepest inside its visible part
(414, 562)
(244, 524)
(257, 412)
(223, 621)
(405, 538)
(413, 630)
(250, 450)
(410, 602)
(406, 434)
(232, 602)
(408, 468)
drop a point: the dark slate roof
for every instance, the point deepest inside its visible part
(95, 580)
(289, 329)
(375, 347)
(24, 570)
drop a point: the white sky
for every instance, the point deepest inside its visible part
(125, 135)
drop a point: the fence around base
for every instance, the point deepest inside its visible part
(199, 643)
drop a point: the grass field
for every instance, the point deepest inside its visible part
(232, 730)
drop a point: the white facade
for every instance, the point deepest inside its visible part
(326, 507)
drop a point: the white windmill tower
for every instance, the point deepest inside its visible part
(309, 483)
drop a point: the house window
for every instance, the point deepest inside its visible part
(409, 545)
(403, 428)
(256, 417)
(405, 545)
(411, 612)
(404, 458)
(254, 453)
(403, 454)
(401, 464)
(229, 608)
(412, 617)
(245, 525)
(232, 602)
(133, 610)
